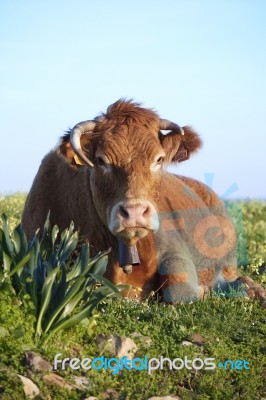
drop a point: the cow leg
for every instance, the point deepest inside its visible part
(251, 289)
(178, 279)
(241, 286)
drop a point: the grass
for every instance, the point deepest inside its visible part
(233, 329)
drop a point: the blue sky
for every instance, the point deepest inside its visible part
(197, 62)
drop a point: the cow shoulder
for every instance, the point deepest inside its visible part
(178, 192)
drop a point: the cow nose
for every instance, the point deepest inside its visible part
(135, 215)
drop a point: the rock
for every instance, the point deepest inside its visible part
(81, 381)
(186, 343)
(110, 394)
(91, 398)
(197, 339)
(56, 380)
(118, 346)
(30, 389)
(36, 362)
(164, 398)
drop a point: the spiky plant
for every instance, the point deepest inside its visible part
(63, 289)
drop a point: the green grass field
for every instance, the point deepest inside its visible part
(233, 329)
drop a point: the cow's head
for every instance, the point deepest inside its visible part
(126, 149)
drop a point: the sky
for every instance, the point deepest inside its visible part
(196, 62)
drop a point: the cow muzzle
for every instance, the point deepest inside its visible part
(132, 220)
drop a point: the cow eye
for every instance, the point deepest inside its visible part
(159, 160)
(100, 161)
(103, 164)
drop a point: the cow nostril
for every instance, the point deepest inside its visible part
(146, 212)
(134, 212)
(123, 212)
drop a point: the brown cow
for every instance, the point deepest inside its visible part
(107, 176)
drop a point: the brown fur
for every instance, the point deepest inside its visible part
(128, 136)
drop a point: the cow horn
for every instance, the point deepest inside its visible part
(168, 125)
(75, 136)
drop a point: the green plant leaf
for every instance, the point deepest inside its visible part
(86, 264)
(3, 332)
(106, 283)
(17, 241)
(54, 235)
(77, 318)
(23, 241)
(100, 266)
(7, 261)
(71, 304)
(18, 332)
(85, 257)
(68, 247)
(46, 297)
(20, 265)
(75, 270)
(70, 294)
(6, 239)
(33, 261)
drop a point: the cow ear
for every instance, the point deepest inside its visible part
(178, 147)
(66, 150)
